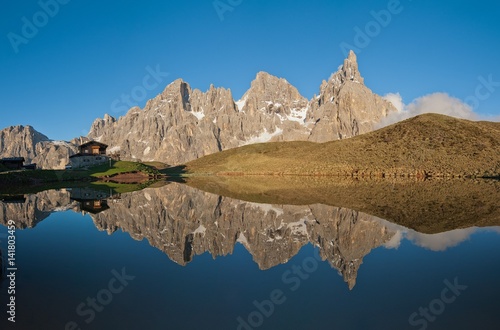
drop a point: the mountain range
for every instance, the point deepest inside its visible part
(182, 124)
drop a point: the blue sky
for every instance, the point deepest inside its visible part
(80, 61)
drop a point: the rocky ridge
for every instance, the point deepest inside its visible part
(345, 107)
(182, 124)
(25, 141)
(20, 141)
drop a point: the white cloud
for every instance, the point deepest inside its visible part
(440, 103)
(443, 104)
(441, 241)
(434, 242)
(395, 241)
(396, 100)
(446, 240)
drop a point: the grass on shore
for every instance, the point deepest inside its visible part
(118, 167)
(27, 181)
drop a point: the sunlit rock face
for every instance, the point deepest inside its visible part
(345, 107)
(182, 124)
(20, 141)
(34, 147)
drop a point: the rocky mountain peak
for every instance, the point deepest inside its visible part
(271, 94)
(25, 141)
(350, 69)
(352, 56)
(178, 91)
(99, 124)
(348, 72)
(29, 130)
(109, 119)
(20, 141)
(267, 83)
(181, 124)
(345, 97)
(263, 77)
(177, 86)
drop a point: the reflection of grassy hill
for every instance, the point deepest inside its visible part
(120, 188)
(427, 145)
(428, 206)
(38, 180)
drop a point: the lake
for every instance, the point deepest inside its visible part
(178, 257)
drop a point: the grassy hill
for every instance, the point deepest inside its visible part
(428, 145)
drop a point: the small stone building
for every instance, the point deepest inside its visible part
(93, 148)
(90, 154)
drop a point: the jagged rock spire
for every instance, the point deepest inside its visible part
(349, 70)
(182, 124)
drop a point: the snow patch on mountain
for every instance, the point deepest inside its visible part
(264, 137)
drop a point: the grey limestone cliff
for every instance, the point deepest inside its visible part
(20, 141)
(25, 141)
(183, 124)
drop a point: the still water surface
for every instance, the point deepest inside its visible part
(176, 257)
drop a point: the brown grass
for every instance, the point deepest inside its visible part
(429, 145)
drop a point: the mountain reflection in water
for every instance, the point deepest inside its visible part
(184, 222)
